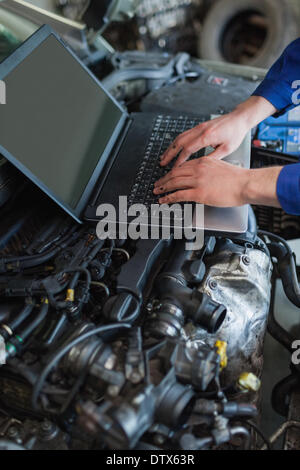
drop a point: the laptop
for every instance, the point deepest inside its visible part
(67, 134)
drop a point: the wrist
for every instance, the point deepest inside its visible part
(254, 110)
(260, 187)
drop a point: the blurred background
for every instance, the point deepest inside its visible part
(248, 32)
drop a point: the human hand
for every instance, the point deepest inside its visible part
(217, 183)
(224, 134)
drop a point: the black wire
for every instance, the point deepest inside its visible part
(16, 322)
(38, 319)
(261, 434)
(286, 266)
(276, 237)
(62, 351)
(78, 270)
(71, 285)
(28, 261)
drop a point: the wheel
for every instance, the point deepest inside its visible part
(249, 32)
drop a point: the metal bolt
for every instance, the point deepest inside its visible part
(246, 260)
(48, 430)
(212, 284)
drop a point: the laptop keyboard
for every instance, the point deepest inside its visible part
(165, 130)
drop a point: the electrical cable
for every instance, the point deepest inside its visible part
(276, 237)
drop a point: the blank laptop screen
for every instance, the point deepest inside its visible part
(57, 120)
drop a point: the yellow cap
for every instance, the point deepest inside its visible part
(70, 295)
(249, 381)
(221, 350)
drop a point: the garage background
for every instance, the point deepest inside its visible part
(248, 32)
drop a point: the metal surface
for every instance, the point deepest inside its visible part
(239, 278)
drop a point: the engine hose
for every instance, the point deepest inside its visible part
(56, 330)
(35, 260)
(136, 73)
(197, 306)
(26, 332)
(275, 329)
(287, 271)
(16, 322)
(50, 234)
(15, 344)
(281, 391)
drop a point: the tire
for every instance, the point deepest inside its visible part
(280, 28)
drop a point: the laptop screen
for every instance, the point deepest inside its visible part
(57, 120)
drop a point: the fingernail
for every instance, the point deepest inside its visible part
(158, 190)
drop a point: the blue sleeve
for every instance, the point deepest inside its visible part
(288, 189)
(277, 86)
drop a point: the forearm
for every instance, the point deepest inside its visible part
(254, 110)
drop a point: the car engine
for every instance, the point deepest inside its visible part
(128, 344)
